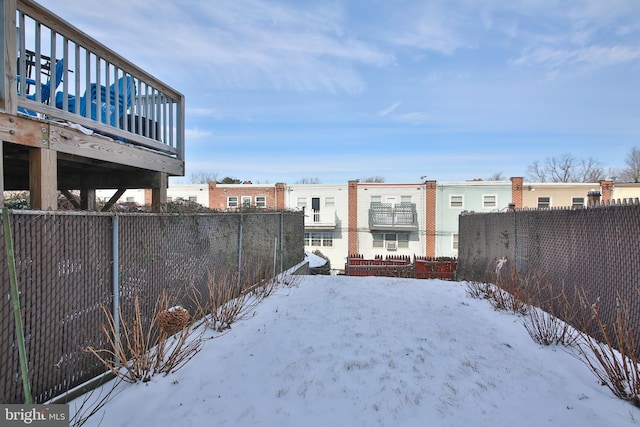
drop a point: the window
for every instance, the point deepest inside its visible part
(405, 199)
(577, 202)
(318, 239)
(544, 202)
(456, 201)
(130, 199)
(232, 202)
(454, 242)
(489, 201)
(329, 202)
(261, 201)
(302, 202)
(391, 241)
(169, 199)
(403, 241)
(193, 198)
(376, 199)
(246, 201)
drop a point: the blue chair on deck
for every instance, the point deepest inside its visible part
(45, 88)
(120, 93)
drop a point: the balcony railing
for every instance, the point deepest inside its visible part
(386, 216)
(321, 219)
(56, 72)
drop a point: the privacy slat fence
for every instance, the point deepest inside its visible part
(65, 269)
(594, 251)
(402, 266)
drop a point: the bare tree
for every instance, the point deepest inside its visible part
(566, 168)
(632, 172)
(376, 178)
(202, 177)
(497, 176)
(308, 180)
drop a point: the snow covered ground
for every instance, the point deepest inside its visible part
(367, 351)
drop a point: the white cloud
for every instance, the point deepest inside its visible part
(389, 109)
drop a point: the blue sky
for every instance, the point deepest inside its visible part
(452, 90)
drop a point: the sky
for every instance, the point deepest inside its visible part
(450, 90)
(370, 351)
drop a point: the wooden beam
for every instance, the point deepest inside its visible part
(43, 179)
(114, 199)
(159, 194)
(71, 198)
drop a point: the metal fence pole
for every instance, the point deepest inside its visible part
(115, 273)
(281, 241)
(240, 253)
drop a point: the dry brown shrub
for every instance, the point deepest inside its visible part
(140, 349)
(612, 357)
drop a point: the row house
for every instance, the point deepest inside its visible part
(380, 219)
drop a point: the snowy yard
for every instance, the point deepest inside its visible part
(367, 351)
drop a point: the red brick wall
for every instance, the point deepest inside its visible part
(218, 195)
(516, 191)
(353, 217)
(280, 190)
(430, 211)
(606, 188)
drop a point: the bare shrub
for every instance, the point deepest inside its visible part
(612, 357)
(227, 302)
(140, 350)
(549, 323)
(478, 290)
(92, 401)
(546, 329)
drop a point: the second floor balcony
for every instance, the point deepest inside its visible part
(387, 216)
(321, 219)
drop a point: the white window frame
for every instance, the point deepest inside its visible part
(398, 240)
(406, 199)
(302, 202)
(452, 196)
(318, 239)
(232, 202)
(455, 241)
(488, 196)
(246, 201)
(580, 202)
(329, 202)
(261, 202)
(548, 202)
(193, 199)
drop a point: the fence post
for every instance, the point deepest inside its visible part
(281, 241)
(115, 273)
(239, 284)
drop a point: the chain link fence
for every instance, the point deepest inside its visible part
(592, 253)
(67, 265)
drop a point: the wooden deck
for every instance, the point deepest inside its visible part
(78, 137)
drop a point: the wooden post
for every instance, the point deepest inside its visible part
(43, 179)
(159, 193)
(88, 199)
(8, 63)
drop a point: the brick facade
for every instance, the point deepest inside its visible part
(606, 187)
(430, 226)
(516, 191)
(352, 232)
(220, 193)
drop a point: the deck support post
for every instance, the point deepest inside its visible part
(43, 179)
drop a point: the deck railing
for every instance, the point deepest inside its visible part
(55, 71)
